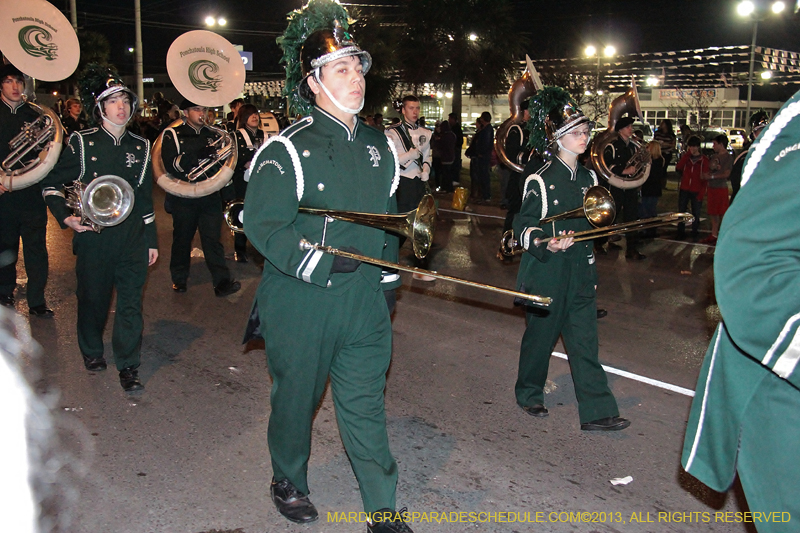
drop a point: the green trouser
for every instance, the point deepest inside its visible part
(312, 334)
(30, 224)
(117, 259)
(573, 315)
(188, 216)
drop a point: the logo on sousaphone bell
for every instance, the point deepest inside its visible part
(36, 42)
(203, 76)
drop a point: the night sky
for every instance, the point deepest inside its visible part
(560, 28)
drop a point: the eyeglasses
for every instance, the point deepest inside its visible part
(579, 133)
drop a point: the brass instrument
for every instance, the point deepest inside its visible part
(46, 135)
(418, 225)
(533, 298)
(509, 246)
(234, 215)
(106, 201)
(226, 156)
(525, 87)
(628, 103)
(38, 40)
(598, 208)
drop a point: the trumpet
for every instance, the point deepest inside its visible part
(105, 201)
(510, 246)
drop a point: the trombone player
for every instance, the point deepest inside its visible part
(118, 257)
(564, 268)
(325, 316)
(23, 213)
(182, 148)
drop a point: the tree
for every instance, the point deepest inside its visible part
(436, 46)
(380, 41)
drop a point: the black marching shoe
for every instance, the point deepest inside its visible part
(601, 313)
(538, 410)
(7, 300)
(179, 287)
(240, 257)
(129, 379)
(291, 503)
(611, 423)
(227, 287)
(95, 364)
(388, 521)
(41, 311)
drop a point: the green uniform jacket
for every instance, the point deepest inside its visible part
(96, 152)
(551, 189)
(757, 283)
(182, 156)
(329, 167)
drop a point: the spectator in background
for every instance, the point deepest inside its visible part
(651, 189)
(719, 166)
(231, 117)
(665, 137)
(758, 122)
(686, 133)
(692, 166)
(455, 127)
(445, 145)
(481, 150)
(378, 120)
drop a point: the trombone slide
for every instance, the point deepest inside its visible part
(544, 301)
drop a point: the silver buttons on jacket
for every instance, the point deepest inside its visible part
(320, 187)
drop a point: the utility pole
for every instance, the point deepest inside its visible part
(138, 51)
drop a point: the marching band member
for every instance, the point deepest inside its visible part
(325, 316)
(182, 148)
(563, 269)
(249, 137)
(118, 257)
(413, 146)
(23, 213)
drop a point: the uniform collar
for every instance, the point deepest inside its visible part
(12, 108)
(117, 142)
(572, 173)
(409, 125)
(334, 125)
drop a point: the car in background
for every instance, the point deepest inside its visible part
(269, 123)
(736, 137)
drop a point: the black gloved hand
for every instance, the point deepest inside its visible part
(344, 265)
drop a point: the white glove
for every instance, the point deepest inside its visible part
(425, 176)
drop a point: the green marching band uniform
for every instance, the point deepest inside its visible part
(248, 140)
(23, 214)
(569, 277)
(319, 319)
(182, 148)
(117, 257)
(745, 415)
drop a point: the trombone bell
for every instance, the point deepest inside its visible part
(417, 225)
(598, 207)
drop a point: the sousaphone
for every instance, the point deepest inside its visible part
(37, 39)
(627, 102)
(207, 70)
(522, 89)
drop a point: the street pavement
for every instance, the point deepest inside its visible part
(189, 454)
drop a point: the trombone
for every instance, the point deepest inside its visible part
(510, 246)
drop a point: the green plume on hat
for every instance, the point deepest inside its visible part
(92, 82)
(314, 16)
(544, 101)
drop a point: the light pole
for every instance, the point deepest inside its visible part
(591, 51)
(748, 9)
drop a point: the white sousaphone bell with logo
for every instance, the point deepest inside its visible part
(38, 40)
(207, 70)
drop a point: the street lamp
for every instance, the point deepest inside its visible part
(748, 9)
(591, 51)
(212, 21)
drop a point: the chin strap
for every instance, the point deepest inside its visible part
(350, 110)
(562, 147)
(104, 117)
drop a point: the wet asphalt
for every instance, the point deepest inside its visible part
(189, 454)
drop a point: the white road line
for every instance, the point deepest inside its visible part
(643, 379)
